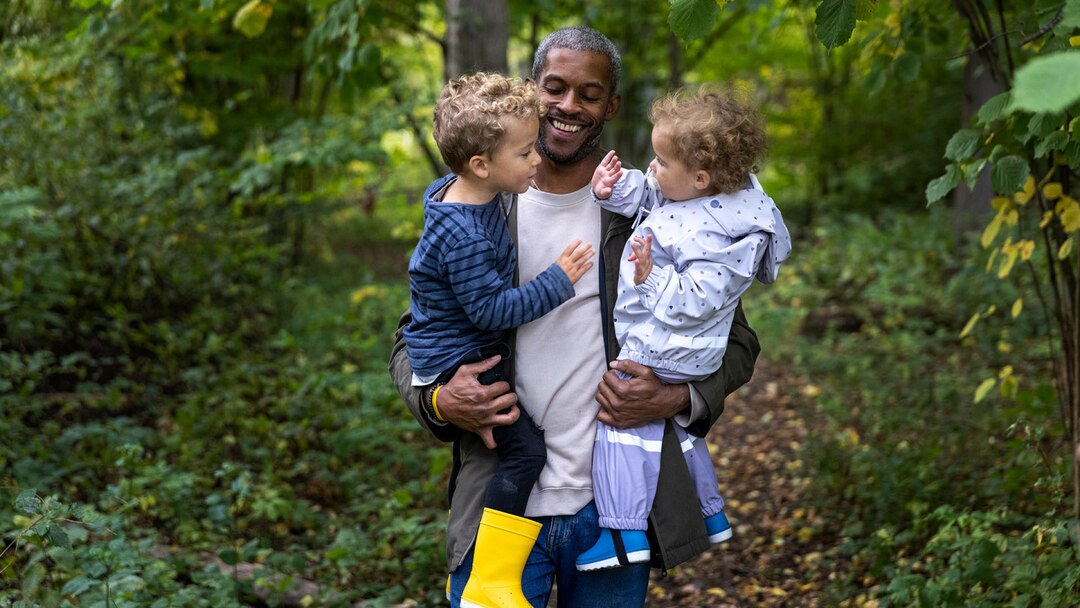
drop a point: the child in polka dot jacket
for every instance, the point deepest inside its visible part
(705, 231)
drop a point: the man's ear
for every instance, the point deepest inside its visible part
(613, 105)
(479, 166)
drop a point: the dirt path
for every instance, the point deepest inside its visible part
(771, 559)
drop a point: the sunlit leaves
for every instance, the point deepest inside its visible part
(692, 19)
(1048, 84)
(835, 22)
(252, 18)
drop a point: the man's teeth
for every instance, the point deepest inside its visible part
(562, 126)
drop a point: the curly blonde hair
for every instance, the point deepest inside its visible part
(712, 131)
(469, 112)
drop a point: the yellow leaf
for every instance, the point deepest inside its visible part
(990, 261)
(1049, 215)
(1000, 202)
(1009, 386)
(1007, 264)
(1065, 249)
(1017, 306)
(1005, 372)
(984, 388)
(1026, 248)
(1012, 217)
(970, 325)
(991, 309)
(1074, 40)
(1024, 195)
(251, 19)
(1052, 190)
(1004, 347)
(991, 231)
(1070, 214)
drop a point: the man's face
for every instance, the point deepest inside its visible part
(576, 85)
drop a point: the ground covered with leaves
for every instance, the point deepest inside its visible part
(774, 556)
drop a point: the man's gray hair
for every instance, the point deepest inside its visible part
(579, 38)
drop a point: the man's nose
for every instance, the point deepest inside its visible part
(568, 102)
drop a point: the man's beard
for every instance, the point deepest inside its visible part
(568, 159)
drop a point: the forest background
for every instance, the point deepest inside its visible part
(206, 207)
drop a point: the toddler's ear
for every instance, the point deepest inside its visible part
(702, 180)
(478, 166)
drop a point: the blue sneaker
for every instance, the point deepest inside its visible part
(718, 527)
(633, 544)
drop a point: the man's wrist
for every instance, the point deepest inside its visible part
(428, 398)
(678, 398)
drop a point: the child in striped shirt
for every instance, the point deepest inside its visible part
(464, 299)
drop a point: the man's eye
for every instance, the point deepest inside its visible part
(553, 90)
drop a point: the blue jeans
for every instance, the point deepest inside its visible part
(561, 540)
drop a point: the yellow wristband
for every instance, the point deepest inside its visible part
(434, 405)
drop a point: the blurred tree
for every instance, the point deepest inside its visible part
(477, 33)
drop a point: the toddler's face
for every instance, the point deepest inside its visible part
(514, 162)
(675, 178)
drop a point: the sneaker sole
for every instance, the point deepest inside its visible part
(720, 536)
(634, 557)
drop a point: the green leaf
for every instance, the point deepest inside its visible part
(962, 145)
(1048, 84)
(984, 388)
(1072, 155)
(1009, 174)
(29, 502)
(79, 585)
(1055, 141)
(994, 108)
(692, 19)
(58, 536)
(1070, 16)
(939, 187)
(1044, 124)
(864, 9)
(835, 22)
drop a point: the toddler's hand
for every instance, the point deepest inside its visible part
(607, 173)
(575, 260)
(642, 258)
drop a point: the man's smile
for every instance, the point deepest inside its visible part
(562, 126)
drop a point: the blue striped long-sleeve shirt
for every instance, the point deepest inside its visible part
(461, 277)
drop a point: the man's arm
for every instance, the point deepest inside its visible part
(463, 403)
(644, 398)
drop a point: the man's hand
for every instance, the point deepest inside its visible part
(643, 398)
(474, 407)
(607, 173)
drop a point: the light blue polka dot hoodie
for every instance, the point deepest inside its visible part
(706, 253)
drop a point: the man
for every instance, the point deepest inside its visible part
(559, 357)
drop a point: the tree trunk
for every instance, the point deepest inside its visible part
(477, 32)
(971, 206)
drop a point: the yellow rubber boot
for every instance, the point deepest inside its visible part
(503, 544)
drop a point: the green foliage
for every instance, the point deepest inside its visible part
(932, 498)
(1048, 84)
